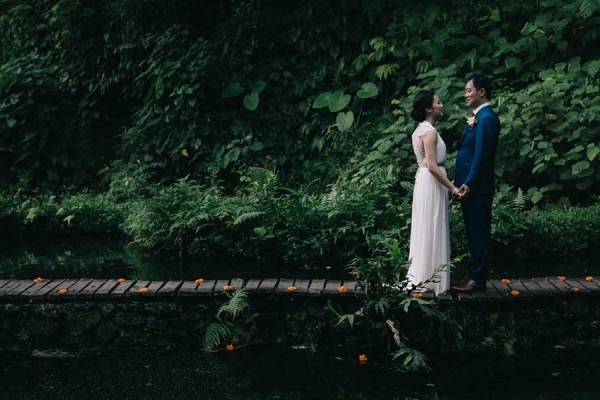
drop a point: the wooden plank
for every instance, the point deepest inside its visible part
(237, 283)
(580, 289)
(536, 290)
(482, 296)
(564, 289)
(206, 288)
(316, 287)
(88, 291)
(350, 288)
(54, 294)
(268, 285)
(302, 286)
(464, 297)
(220, 285)
(444, 298)
(49, 288)
(118, 290)
(331, 287)
(31, 291)
(595, 281)
(283, 285)
(170, 288)
(188, 288)
(4, 282)
(524, 293)
(493, 294)
(502, 289)
(550, 289)
(153, 288)
(591, 286)
(76, 288)
(134, 290)
(18, 288)
(252, 285)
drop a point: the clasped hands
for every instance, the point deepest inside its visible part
(459, 193)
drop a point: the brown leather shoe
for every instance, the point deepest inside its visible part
(469, 287)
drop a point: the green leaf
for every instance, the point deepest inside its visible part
(260, 231)
(338, 101)
(592, 153)
(251, 101)
(536, 197)
(367, 90)
(344, 120)
(11, 122)
(322, 100)
(233, 90)
(258, 86)
(577, 168)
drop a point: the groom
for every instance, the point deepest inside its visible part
(474, 176)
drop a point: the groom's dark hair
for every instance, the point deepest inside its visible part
(482, 82)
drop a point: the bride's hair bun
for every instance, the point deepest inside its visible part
(423, 100)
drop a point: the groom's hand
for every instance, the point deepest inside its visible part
(463, 191)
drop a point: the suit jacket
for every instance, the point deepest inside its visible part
(476, 153)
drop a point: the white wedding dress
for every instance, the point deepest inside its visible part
(429, 233)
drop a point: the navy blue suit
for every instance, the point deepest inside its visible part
(475, 168)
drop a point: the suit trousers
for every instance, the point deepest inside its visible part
(477, 216)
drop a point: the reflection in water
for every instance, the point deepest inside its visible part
(275, 372)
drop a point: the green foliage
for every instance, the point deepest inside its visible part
(391, 308)
(233, 322)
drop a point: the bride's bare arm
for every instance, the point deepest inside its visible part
(430, 142)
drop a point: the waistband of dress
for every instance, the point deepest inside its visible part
(439, 165)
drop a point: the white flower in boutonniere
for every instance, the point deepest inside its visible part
(472, 121)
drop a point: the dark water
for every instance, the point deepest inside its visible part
(113, 259)
(276, 373)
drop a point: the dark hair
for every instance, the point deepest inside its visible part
(482, 82)
(423, 100)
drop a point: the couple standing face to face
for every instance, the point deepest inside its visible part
(473, 96)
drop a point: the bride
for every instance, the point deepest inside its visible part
(429, 235)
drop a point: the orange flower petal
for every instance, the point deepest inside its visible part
(121, 280)
(143, 290)
(515, 292)
(227, 287)
(505, 281)
(291, 288)
(417, 295)
(362, 358)
(229, 347)
(589, 278)
(199, 281)
(342, 289)
(562, 278)
(38, 280)
(63, 291)
(575, 289)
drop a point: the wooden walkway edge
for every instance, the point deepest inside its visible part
(506, 290)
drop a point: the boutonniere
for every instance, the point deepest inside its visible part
(472, 121)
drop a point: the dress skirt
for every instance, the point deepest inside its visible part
(429, 234)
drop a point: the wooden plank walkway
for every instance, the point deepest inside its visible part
(505, 290)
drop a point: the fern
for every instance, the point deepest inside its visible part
(247, 216)
(237, 304)
(519, 201)
(217, 333)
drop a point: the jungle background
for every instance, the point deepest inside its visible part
(278, 132)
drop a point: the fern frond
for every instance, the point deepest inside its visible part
(247, 216)
(216, 333)
(236, 305)
(519, 201)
